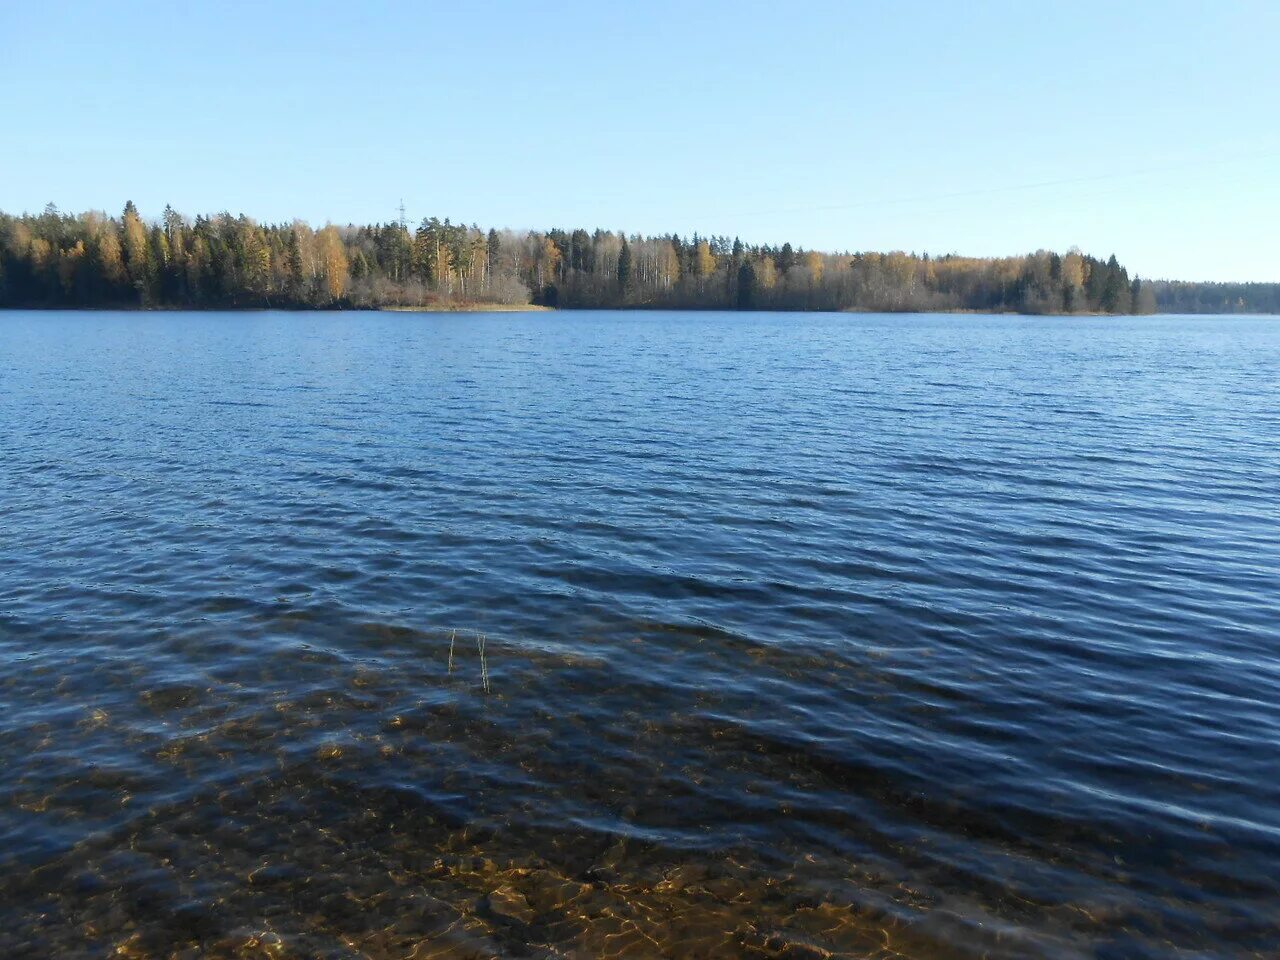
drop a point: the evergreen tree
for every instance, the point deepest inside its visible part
(297, 278)
(624, 267)
(746, 293)
(1115, 288)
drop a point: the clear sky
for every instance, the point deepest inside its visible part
(1148, 129)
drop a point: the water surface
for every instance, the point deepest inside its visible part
(805, 635)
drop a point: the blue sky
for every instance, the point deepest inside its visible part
(1147, 129)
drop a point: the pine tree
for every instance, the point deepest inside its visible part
(624, 267)
(746, 295)
(296, 276)
(1115, 288)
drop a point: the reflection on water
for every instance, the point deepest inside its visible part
(804, 637)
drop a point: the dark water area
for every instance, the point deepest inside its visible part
(803, 636)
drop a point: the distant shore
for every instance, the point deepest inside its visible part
(93, 260)
(477, 307)
(468, 307)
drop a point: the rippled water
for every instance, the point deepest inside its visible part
(804, 635)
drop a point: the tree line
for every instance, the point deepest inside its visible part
(55, 259)
(1180, 296)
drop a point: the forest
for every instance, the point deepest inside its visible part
(86, 260)
(1180, 296)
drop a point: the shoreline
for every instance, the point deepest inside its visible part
(479, 307)
(454, 308)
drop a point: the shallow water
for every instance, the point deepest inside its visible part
(804, 635)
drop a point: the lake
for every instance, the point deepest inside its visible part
(639, 634)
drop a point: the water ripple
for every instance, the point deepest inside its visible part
(805, 636)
